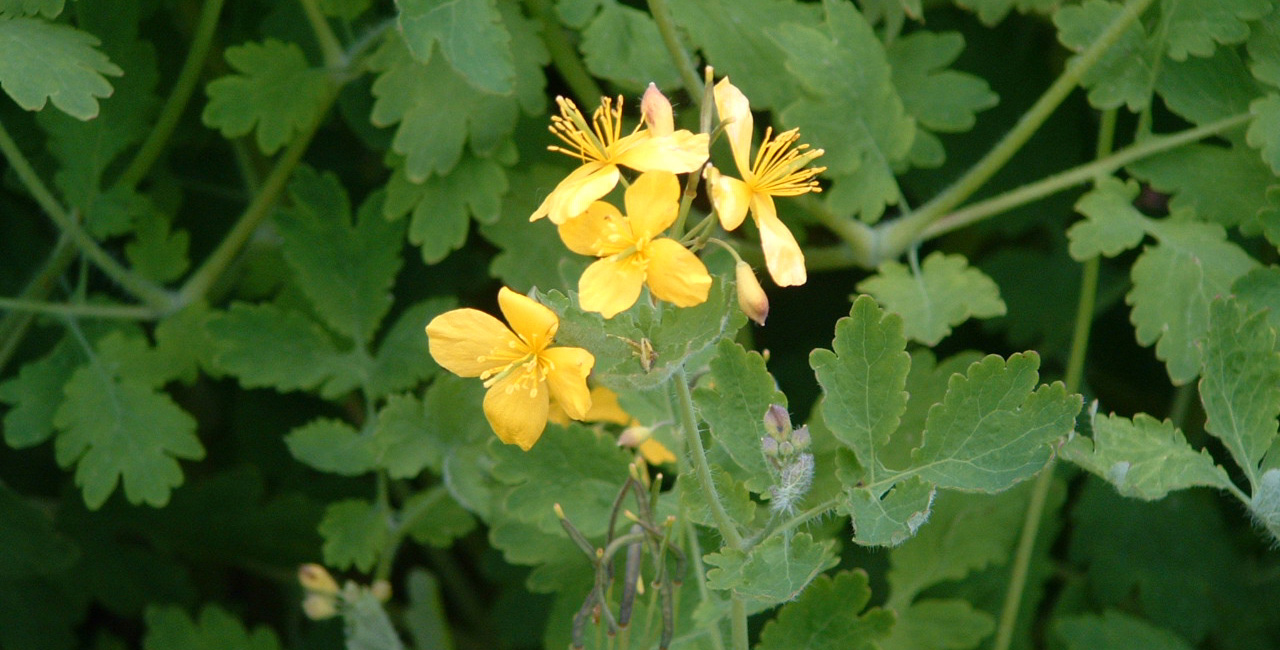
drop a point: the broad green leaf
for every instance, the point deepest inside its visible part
(1264, 131)
(1143, 458)
(1112, 225)
(944, 292)
(116, 430)
(1173, 284)
(863, 380)
(471, 35)
(1226, 186)
(266, 347)
(558, 564)
(158, 252)
(46, 8)
(401, 443)
(571, 466)
(345, 9)
(733, 404)
(939, 625)
(450, 409)
(332, 446)
(435, 518)
(345, 271)
(42, 61)
(425, 617)
(33, 395)
(1196, 27)
(926, 385)
(1264, 48)
(1240, 387)
(275, 93)
(169, 628)
(184, 339)
(733, 494)
(850, 107)
(1126, 73)
(443, 206)
(891, 518)
(992, 12)
(939, 99)
(128, 355)
(367, 626)
(1258, 290)
(355, 532)
(774, 571)
(403, 358)
(532, 255)
(31, 545)
(829, 616)
(1204, 90)
(992, 430)
(1115, 630)
(623, 45)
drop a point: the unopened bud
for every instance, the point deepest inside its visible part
(769, 446)
(319, 606)
(634, 435)
(800, 438)
(786, 449)
(316, 579)
(381, 589)
(656, 109)
(751, 297)
(777, 422)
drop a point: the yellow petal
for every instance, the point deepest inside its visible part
(730, 196)
(653, 202)
(567, 370)
(735, 112)
(467, 342)
(679, 153)
(655, 453)
(605, 407)
(577, 191)
(782, 255)
(516, 410)
(534, 323)
(611, 286)
(677, 275)
(600, 231)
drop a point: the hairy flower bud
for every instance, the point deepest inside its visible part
(751, 297)
(777, 422)
(656, 109)
(800, 438)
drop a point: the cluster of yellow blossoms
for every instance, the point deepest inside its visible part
(528, 380)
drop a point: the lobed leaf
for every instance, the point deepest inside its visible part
(401, 442)
(332, 446)
(1225, 186)
(944, 292)
(443, 206)
(733, 404)
(403, 359)
(891, 518)
(42, 62)
(1126, 73)
(774, 571)
(1112, 225)
(1143, 458)
(1264, 131)
(275, 94)
(435, 518)
(1264, 48)
(829, 616)
(1115, 630)
(1196, 27)
(46, 8)
(34, 394)
(471, 36)
(355, 532)
(622, 44)
(169, 628)
(992, 12)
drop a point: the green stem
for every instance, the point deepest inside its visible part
(861, 238)
(156, 297)
(125, 312)
(908, 228)
(176, 104)
(563, 56)
(330, 47)
(14, 325)
(679, 56)
(695, 555)
(738, 624)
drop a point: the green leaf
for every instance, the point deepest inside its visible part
(275, 94)
(1126, 73)
(992, 12)
(46, 8)
(31, 545)
(623, 45)
(1264, 131)
(346, 272)
(401, 443)
(128, 355)
(1115, 630)
(345, 9)
(863, 381)
(1226, 186)
(891, 518)
(355, 532)
(944, 292)
(569, 465)
(42, 61)
(829, 616)
(773, 571)
(471, 35)
(331, 446)
(1112, 225)
(926, 386)
(1240, 387)
(404, 359)
(169, 628)
(1264, 48)
(1204, 90)
(443, 206)
(157, 252)
(991, 430)
(558, 564)
(435, 518)
(266, 347)
(1258, 290)
(733, 404)
(850, 107)
(939, 625)
(940, 99)
(35, 394)
(1173, 284)
(733, 494)
(531, 255)
(1143, 458)
(367, 626)
(116, 430)
(1195, 27)
(425, 618)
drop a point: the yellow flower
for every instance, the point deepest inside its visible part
(520, 368)
(602, 148)
(777, 170)
(605, 408)
(632, 253)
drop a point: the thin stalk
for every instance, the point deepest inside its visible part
(563, 56)
(176, 104)
(14, 325)
(704, 593)
(330, 47)
(156, 297)
(679, 56)
(123, 312)
(909, 228)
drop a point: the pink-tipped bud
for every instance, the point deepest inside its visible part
(634, 435)
(316, 579)
(656, 109)
(751, 297)
(777, 422)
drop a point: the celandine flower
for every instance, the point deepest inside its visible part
(520, 368)
(602, 148)
(777, 170)
(633, 253)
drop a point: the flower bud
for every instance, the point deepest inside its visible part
(316, 579)
(634, 435)
(319, 606)
(751, 297)
(777, 422)
(800, 438)
(769, 446)
(381, 589)
(657, 112)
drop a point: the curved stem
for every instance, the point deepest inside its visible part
(14, 325)
(861, 238)
(679, 56)
(330, 47)
(176, 104)
(563, 56)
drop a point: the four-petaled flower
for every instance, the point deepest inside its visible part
(520, 368)
(777, 170)
(602, 148)
(632, 252)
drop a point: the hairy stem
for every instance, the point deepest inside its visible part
(563, 56)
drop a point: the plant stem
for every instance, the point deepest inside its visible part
(156, 297)
(563, 56)
(661, 12)
(861, 238)
(907, 230)
(693, 439)
(176, 104)
(330, 47)
(13, 327)
(125, 312)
